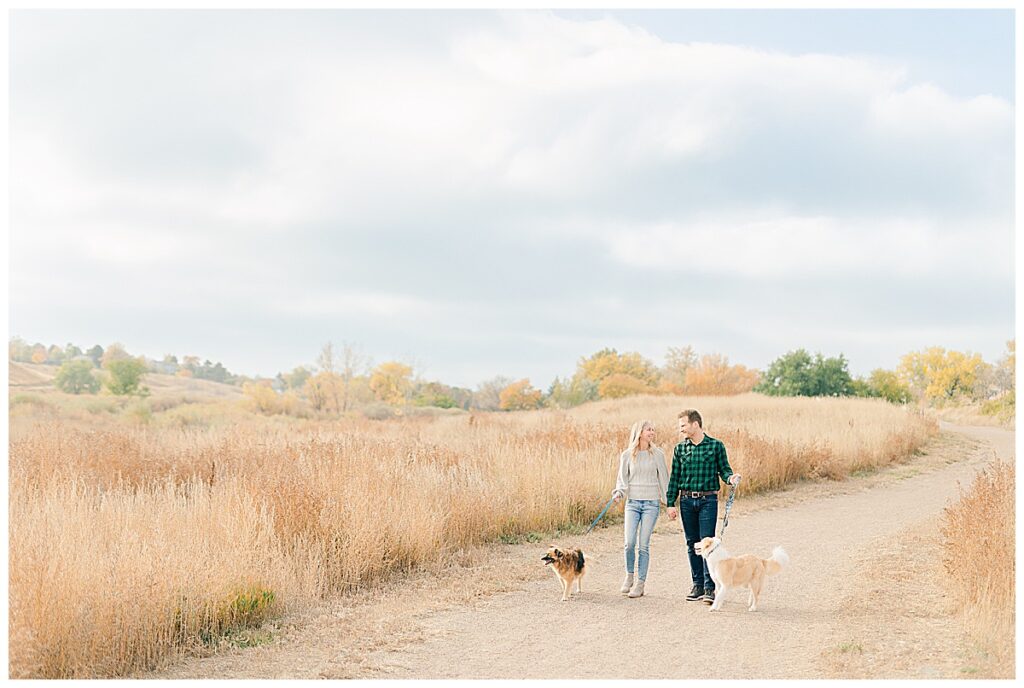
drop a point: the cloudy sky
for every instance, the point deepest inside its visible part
(500, 193)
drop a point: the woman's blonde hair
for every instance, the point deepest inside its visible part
(634, 438)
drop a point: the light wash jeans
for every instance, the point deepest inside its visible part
(641, 515)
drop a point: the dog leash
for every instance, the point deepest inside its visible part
(600, 515)
(728, 505)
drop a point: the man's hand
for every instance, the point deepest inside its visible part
(672, 512)
(734, 479)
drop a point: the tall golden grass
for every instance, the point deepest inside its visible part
(129, 545)
(979, 558)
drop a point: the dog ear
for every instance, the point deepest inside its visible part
(558, 552)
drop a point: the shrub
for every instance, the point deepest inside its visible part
(75, 377)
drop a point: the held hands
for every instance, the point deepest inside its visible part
(672, 512)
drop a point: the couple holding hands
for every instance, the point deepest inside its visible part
(697, 464)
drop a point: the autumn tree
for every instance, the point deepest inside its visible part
(712, 375)
(940, 376)
(352, 365)
(391, 382)
(678, 362)
(519, 396)
(261, 397)
(887, 385)
(487, 396)
(317, 390)
(114, 352)
(608, 362)
(618, 385)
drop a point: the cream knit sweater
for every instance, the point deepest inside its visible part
(644, 478)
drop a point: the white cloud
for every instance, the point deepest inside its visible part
(361, 303)
(232, 168)
(776, 245)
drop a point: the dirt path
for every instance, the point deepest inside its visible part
(861, 599)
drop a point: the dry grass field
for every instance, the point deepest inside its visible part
(133, 542)
(979, 560)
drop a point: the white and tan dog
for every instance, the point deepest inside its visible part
(746, 571)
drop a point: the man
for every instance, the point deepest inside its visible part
(697, 463)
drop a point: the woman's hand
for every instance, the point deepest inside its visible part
(616, 496)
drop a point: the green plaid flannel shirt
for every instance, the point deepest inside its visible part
(696, 467)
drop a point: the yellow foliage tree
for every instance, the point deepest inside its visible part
(608, 362)
(618, 385)
(940, 376)
(519, 396)
(391, 382)
(321, 390)
(261, 397)
(713, 376)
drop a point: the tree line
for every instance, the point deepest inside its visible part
(343, 379)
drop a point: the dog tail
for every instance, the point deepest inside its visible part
(777, 561)
(579, 562)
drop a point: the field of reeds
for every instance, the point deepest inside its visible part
(130, 544)
(979, 554)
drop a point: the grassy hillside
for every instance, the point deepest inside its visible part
(31, 377)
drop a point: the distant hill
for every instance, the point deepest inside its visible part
(35, 377)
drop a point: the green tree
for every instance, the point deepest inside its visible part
(571, 392)
(55, 355)
(96, 354)
(797, 373)
(887, 385)
(296, 379)
(125, 376)
(434, 394)
(75, 377)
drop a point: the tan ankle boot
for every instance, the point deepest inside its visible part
(627, 584)
(638, 589)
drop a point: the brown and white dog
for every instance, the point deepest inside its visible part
(746, 571)
(569, 566)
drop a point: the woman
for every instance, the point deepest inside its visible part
(642, 480)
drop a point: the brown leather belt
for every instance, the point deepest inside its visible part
(697, 495)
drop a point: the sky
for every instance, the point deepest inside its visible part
(485, 193)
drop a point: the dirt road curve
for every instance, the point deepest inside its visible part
(861, 598)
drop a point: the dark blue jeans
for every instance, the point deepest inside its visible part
(700, 516)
